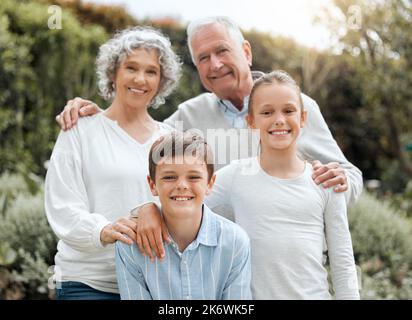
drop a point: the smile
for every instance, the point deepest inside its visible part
(137, 91)
(182, 198)
(279, 132)
(220, 77)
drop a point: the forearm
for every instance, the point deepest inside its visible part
(81, 231)
(340, 250)
(136, 210)
(355, 184)
(343, 269)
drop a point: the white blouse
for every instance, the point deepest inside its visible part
(97, 173)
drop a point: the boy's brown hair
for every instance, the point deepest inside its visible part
(174, 144)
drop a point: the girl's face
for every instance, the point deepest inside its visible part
(277, 113)
(138, 77)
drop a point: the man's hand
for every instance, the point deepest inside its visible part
(330, 175)
(73, 109)
(151, 231)
(117, 231)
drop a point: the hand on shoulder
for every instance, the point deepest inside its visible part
(74, 109)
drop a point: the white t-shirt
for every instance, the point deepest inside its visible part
(286, 220)
(97, 174)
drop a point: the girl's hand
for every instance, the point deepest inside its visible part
(118, 231)
(330, 175)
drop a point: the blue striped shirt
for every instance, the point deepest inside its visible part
(215, 266)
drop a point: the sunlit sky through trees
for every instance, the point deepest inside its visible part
(292, 18)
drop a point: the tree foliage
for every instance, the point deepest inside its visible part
(381, 47)
(40, 69)
(110, 17)
(362, 87)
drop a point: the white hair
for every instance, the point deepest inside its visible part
(231, 27)
(114, 51)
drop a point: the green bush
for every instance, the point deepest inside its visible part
(40, 69)
(382, 241)
(379, 286)
(28, 244)
(403, 201)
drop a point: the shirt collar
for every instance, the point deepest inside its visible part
(228, 106)
(207, 234)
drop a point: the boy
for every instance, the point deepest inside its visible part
(209, 256)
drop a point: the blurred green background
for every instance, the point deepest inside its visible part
(363, 86)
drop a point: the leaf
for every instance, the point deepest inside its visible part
(7, 255)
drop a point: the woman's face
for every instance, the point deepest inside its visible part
(138, 77)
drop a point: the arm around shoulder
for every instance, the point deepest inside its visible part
(317, 143)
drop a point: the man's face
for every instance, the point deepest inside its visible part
(181, 185)
(222, 64)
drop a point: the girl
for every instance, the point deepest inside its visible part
(284, 212)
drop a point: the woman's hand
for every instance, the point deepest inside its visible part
(151, 231)
(117, 231)
(73, 109)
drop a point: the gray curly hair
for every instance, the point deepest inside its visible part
(112, 53)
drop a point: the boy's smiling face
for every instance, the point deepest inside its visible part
(181, 185)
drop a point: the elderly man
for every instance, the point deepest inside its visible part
(223, 59)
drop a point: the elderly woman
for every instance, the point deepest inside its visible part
(98, 170)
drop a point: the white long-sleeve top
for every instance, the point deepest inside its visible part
(286, 220)
(97, 173)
